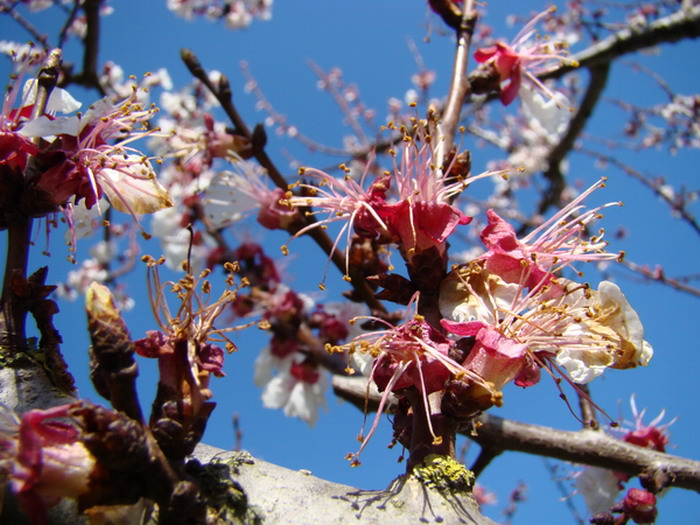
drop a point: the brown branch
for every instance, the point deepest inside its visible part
(659, 277)
(588, 409)
(459, 86)
(484, 459)
(13, 316)
(448, 11)
(684, 23)
(88, 76)
(597, 58)
(72, 15)
(587, 447)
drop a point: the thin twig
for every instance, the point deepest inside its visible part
(648, 182)
(33, 31)
(660, 277)
(459, 86)
(72, 15)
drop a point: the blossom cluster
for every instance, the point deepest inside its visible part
(293, 368)
(60, 163)
(509, 313)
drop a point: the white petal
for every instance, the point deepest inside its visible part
(646, 354)
(599, 488)
(46, 127)
(263, 368)
(552, 114)
(62, 101)
(165, 223)
(627, 322)
(304, 402)
(130, 194)
(277, 392)
(84, 219)
(573, 361)
(59, 101)
(224, 202)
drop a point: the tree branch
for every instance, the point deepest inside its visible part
(684, 23)
(33, 31)
(587, 447)
(88, 76)
(459, 86)
(650, 183)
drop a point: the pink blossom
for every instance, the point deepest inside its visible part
(16, 115)
(555, 244)
(345, 200)
(412, 354)
(522, 60)
(232, 195)
(653, 435)
(409, 206)
(580, 330)
(640, 506)
(44, 459)
(86, 165)
(185, 345)
(494, 357)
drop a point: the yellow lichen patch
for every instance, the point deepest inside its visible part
(444, 474)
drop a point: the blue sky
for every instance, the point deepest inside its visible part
(367, 39)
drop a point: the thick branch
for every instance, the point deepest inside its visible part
(284, 496)
(587, 447)
(19, 224)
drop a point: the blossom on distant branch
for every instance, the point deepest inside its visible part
(232, 195)
(237, 14)
(600, 487)
(298, 389)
